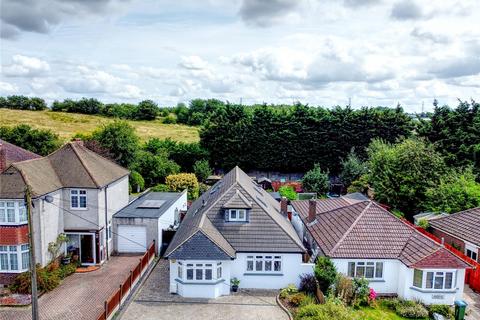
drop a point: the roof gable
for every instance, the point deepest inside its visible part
(238, 201)
(199, 247)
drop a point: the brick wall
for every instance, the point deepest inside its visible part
(7, 278)
(449, 239)
(13, 235)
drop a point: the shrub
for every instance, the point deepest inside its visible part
(147, 110)
(160, 188)
(344, 289)
(169, 119)
(316, 180)
(328, 311)
(423, 223)
(289, 290)
(288, 192)
(361, 291)
(38, 141)
(154, 168)
(297, 298)
(443, 309)
(182, 181)
(412, 311)
(202, 169)
(325, 272)
(391, 303)
(137, 183)
(308, 299)
(308, 283)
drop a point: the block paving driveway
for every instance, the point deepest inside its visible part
(80, 296)
(153, 301)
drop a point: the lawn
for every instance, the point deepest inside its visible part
(378, 313)
(68, 124)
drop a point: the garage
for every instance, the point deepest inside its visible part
(132, 238)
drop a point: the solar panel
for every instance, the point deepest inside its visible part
(151, 204)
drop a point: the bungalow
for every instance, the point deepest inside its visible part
(461, 230)
(74, 191)
(234, 230)
(365, 240)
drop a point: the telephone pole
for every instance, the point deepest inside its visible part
(33, 269)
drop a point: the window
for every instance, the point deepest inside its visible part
(264, 264)
(471, 251)
(237, 215)
(434, 280)
(14, 258)
(200, 271)
(13, 212)
(78, 199)
(180, 270)
(365, 269)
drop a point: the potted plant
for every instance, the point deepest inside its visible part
(234, 282)
(66, 259)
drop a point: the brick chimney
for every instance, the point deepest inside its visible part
(312, 210)
(284, 206)
(78, 141)
(3, 157)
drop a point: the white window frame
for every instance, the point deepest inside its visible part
(19, 212)
(436, 274)
(199, 268)
(15, 252)
(473, 254)
(78, 194)
(237, 215)
(265, 263)
(358, 265)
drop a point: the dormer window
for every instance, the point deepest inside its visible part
(237, 215)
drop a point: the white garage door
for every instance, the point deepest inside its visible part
(132, 238)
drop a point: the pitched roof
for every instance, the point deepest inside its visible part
(13, 153)
(266, 231)
(237, 201)
(464, 225)
(149, 205)
(73, 165)
(365, 230)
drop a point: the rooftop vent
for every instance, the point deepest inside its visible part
(151, 204)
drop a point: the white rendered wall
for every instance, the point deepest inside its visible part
(168, 217)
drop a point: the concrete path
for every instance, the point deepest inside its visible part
(80, 296)
(473, 300)
(153, 301)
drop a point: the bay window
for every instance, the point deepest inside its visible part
(265, 263)
(433, 280)
(365, 269)
(200, 271)
(14, 258)
(13, 212)
(78, 199)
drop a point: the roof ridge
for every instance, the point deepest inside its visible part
(208, 236)
(73, 146)
(95, 154)
(350, 228)
(4, 142)
(335, 209)
(457, 213)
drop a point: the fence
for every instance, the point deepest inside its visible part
(119, 296)
(472, 276)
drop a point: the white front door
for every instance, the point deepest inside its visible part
(132, 238)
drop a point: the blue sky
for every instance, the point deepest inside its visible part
(321, 52)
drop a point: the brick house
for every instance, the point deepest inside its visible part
(364, 240)
(74, 191)
(461, 230)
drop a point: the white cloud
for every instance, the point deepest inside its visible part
(193, 63)
(23, 66)
(7, 88)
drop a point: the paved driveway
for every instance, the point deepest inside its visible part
(153, 301)
(473, 300)
(80, 296)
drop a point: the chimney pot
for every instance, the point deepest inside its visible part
(312, 210)
(284, 206)
(78, 141)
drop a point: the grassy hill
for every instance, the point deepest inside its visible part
(68, 124)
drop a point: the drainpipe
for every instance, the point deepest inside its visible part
(106, 222)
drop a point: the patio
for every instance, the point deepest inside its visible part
(81, 296)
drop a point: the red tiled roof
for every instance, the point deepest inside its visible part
(439, 259)
(13, 235)
(12, 154)
(464, 225)
(365, 230)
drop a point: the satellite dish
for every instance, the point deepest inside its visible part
(48, 199)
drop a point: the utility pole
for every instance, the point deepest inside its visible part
(33, 269)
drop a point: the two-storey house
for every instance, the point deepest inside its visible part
(74, 191)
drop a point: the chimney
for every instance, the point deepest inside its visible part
(312, 210)
(284, 206)
(3, 157)
(78, 141)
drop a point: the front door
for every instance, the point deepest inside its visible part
(87, 255)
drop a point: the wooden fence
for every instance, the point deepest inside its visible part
(472, 275)
(119, 296)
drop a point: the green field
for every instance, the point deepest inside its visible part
(68, 124)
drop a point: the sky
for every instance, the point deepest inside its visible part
(320, 52)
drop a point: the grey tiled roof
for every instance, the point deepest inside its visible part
(135, 209)
(464, 225)
(266, 231)
(238, 201)
(365, 230)
(199, 247)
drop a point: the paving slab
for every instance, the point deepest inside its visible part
(473, 300)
